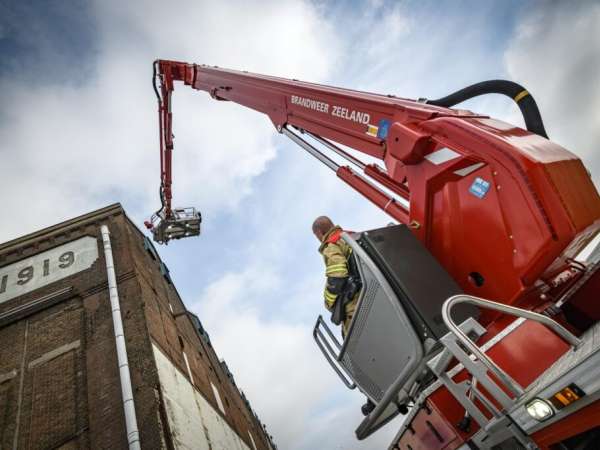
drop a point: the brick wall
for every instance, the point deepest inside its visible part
(59, 380)
(66, 389)
(173, 331)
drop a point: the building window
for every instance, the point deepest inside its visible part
(201, 331)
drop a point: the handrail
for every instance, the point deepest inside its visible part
(519, 312)
(329, 352)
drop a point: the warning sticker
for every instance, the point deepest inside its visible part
(480, 187)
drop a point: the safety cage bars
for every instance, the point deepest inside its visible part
(181, 223)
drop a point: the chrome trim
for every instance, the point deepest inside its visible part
(334, 148)
(580, 366)
(310, 149)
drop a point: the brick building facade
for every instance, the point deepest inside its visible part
(59, 379)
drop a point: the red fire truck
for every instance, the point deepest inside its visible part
(478, 314)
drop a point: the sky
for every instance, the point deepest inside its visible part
(78, 131)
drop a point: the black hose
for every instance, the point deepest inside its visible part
(525, 101)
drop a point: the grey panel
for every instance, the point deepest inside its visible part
(420, 282)
(399, 307)
(381, 351)
(378, 346)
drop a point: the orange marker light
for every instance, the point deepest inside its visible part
(566, 396)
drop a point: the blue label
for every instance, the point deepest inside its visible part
(480, 187)
(384, 126)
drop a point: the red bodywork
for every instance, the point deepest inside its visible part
(539, 202)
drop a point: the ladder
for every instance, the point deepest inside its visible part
(498, 427)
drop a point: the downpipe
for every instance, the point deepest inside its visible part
(133, 435)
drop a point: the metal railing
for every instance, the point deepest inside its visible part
(511, 310)
(329, 353)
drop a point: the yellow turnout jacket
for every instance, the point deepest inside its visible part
(335, 254)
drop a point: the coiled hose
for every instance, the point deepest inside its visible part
(525, 101)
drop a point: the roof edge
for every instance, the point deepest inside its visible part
(61, 227)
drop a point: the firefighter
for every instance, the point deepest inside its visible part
(341, 288)
(343, 283)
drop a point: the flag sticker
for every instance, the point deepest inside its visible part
(381, 131)
(372, 130)
(384, 126)
(480, 187)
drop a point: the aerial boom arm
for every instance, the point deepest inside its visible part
(382, 126)
(490, 200)
(356, 119)
(502, 209)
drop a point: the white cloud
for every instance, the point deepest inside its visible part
(70, 148)
(277, 364)
(555, 54)
(67, 149)
(265, 353)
